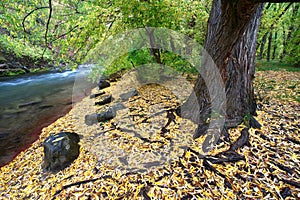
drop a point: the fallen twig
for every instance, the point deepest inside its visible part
(80, 183)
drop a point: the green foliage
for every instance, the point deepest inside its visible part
(263, 65)
(283, 22)
(138, 58)
(293, 48)
(13, 73)
(77, 27)
(21, 49)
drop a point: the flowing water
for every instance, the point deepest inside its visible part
(30, 102)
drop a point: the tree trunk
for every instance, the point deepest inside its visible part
(282, 52)
(269, 47)
(231, 42)
(262, 46)
(154, 50)
(274, 46)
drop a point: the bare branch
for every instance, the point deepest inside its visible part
(64, 34)
(24, 19)
(47, 26)
(48, 22)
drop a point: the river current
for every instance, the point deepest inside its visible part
(30, 102)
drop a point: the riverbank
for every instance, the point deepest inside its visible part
(35, 101)
(11, 65)
(270, 168)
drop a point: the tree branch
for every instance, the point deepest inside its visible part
(64, 34)
(24, 19)
(48, 22)
(47, 26)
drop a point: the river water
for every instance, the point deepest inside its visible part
(30, 102)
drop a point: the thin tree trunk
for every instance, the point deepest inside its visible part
(262, 46)
(154, 50)
(269, 46)
(274, 46)
(172, 44)
(284, 45)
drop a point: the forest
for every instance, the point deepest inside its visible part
(64, 32)
(149, 99)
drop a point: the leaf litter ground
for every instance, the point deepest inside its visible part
(269, 168)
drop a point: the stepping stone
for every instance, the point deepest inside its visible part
(60, 150)
(97, 95)
(90, 119)
(104, 100)
(103, 114)
(103, 84)
(127, 95)
(114, 77)
(118, 106)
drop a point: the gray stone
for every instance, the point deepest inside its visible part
(117, 75)
(60, 150)
(105, 113)
(97, 95)
(127, 95)
(105, 99)
(90, 119)
(118, 106)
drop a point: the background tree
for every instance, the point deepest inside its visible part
(279, 25)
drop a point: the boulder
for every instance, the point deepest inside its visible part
(105, 99)
(103, 84)
(60, 150)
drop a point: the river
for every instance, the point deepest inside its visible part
(30, 102)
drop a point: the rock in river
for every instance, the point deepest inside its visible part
(60, 150)
(32, 103)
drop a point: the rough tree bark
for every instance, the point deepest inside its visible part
(231, 42)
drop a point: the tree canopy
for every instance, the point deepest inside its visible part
(65, 31)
